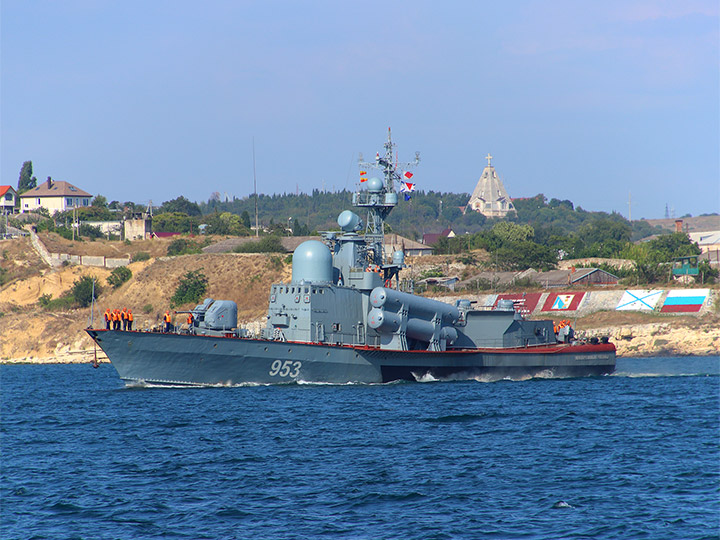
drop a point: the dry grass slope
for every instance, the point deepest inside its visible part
(29, 332)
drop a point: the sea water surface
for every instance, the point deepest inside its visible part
(632, 455)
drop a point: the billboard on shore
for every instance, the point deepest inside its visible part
(639, 300)
(685, 300)
(563, 301)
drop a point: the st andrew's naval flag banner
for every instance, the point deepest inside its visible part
(685, 300)
(639, 300)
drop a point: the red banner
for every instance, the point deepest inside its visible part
(563, 301)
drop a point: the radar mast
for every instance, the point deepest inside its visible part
(380, 202)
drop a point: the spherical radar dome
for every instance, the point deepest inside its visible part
(312, 262)
(374, 185)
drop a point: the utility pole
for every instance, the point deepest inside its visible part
(257, 229)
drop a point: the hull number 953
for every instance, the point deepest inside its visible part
(288, 368)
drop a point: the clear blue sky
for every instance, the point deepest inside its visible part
(580, 100)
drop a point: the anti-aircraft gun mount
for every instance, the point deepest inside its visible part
(215, 318)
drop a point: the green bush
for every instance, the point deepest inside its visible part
(82, 291)
(119, 276)
(191, 288)
(181, 246)
(147, 308)
(141, 256)
(276, 262)
(64, 302)
(90, 231)
(267, 244)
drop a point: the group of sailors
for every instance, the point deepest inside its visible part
(562, 324)
(168, 324)
(564, 331)
(118, 320)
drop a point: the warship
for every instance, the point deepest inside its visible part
(347, 317)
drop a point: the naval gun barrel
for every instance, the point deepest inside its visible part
(417, 306)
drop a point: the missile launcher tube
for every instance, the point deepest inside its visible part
(417, 306)
(387, 322)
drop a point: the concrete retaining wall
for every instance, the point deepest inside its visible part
(58, 259)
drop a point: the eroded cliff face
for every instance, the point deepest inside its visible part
(663, 339)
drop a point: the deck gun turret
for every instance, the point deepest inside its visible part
(215, 318)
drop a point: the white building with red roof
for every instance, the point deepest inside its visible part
(55, 197)
(8, 196)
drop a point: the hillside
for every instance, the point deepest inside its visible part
(31, 333)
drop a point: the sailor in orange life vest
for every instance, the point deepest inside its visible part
(123, 318)
(108, 318)
(168, 321)
(129, 320)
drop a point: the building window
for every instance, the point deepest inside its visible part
(68, 201)
(86, 202)
(38, 202)
(8, 196)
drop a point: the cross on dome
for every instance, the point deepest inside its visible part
(488, 157)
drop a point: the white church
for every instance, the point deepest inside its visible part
(489, 197)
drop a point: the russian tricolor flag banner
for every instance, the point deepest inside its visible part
(685, 300)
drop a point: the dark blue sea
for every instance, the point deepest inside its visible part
(632, 455)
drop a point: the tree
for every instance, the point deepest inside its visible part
(191, 288)
(99, 201)
(119, 276)
(181, 205)
(27, 181)
(245, 218)
(82, 290)
(507, 231)
(669, 246)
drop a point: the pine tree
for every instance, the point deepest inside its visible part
(27, 180)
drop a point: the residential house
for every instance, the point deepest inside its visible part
(8, 196)
(55, 197)
(430, 238)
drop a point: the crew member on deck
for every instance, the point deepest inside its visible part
(123, 318)
(129, 320)
(168, 321)
(108, 318)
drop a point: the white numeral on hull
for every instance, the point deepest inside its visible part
(288, 368)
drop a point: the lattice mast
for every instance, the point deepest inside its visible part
(380, 204)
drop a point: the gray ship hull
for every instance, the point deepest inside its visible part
(177, 359)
